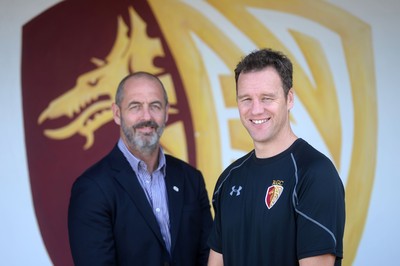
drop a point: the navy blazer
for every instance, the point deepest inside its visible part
(110, 221)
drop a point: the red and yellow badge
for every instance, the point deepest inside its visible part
(273, 193)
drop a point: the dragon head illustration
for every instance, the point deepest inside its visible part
(88, 103)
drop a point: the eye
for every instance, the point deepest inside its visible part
(134, 106)
(156, 106)
(266, 99)
(93, 82)
(245, 99)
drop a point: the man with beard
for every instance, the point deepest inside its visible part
(137, 205)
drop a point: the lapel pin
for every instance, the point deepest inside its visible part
(176, 188)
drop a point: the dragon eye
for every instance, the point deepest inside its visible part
(93, 82)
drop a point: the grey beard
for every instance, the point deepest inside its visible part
(143, 143)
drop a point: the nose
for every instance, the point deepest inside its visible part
(257, 107)
(146, 112)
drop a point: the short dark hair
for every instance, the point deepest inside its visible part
(120, 90)
(266, 57)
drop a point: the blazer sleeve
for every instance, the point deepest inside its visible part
(206, 221)
(192, 206)
(90, 225)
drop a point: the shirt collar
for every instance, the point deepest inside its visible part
(134, 161)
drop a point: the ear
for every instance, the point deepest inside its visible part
(116, 114)
(166, 112)
(290, 99)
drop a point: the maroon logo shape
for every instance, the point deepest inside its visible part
(58, 47)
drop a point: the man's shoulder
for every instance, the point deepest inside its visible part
(308, 154)
(109, 162)
(174, 162)
(234, 167)
(239, 162)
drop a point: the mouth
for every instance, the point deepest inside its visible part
(259, 121)
(146, 127)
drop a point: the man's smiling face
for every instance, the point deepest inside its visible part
(143, 114)
(263, 107)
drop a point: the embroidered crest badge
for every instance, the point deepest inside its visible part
(272, 195)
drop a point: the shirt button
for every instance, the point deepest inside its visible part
(158, 210)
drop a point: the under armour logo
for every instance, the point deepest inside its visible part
(237, 191)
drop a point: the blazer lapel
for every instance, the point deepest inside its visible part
(174, 183)
(128, 180)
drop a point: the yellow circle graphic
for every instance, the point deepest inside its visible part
(181, 21)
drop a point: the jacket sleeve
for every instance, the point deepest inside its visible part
(206, 222)
(90, 225)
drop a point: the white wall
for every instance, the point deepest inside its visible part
(20, 240)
